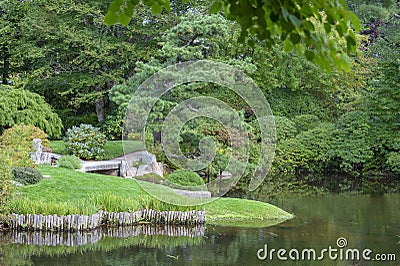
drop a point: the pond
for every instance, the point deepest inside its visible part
(356, 223)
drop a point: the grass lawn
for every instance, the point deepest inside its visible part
(113, 148)
(69, 191)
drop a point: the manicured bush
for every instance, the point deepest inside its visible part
(66, 164)
(185, 178)
(70, 162)
(86, 142)
(26, 175)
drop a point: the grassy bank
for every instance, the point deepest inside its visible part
(68, 192)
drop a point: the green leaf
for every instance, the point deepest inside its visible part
(128, 11)
(124, 19)
(156, 9)
(215, 7)
(285, 13)
(355, 21)
(346, 62)
(351, 43)
(235, 10)
(296, 22)
(300, 48)
(288, 46)
(245, 22)
(294, 38)
(327, 27)
(309, 55)
(115, 5)
(111, 18)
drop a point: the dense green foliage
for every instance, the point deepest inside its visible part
(23, 107)
(70, 162)
(293, 22)
(85, 142)
(26, 175)
(336, 130)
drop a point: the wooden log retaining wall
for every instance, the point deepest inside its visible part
(48, 238)
(74, 222)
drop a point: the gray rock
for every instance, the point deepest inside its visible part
(193, 194)
(144, 169)
(148, 158)
(37, 148)
(157, 169)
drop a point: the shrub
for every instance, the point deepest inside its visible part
(185, 178)
(19, 106)
(352, 148)
(18, 140)
(393, 162)
(285, 128)
(26, 175)
(25, 133)
(6, 186)
(66, 164)
(70, 162)
(306, 152)
(86, 142)
(306, 122)
(112, 126)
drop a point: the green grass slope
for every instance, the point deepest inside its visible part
(69, 191)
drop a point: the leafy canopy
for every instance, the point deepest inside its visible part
(294, 22)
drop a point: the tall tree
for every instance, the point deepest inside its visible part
(63, 51)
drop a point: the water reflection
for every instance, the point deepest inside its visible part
(365, 221)
(79, 238)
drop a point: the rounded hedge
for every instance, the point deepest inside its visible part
(70, 162)
(185, 178)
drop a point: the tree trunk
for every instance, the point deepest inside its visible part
(100, 106)
(100, 109)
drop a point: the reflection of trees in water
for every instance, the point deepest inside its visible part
(21, 248)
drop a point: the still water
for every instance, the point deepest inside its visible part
(360, 222)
